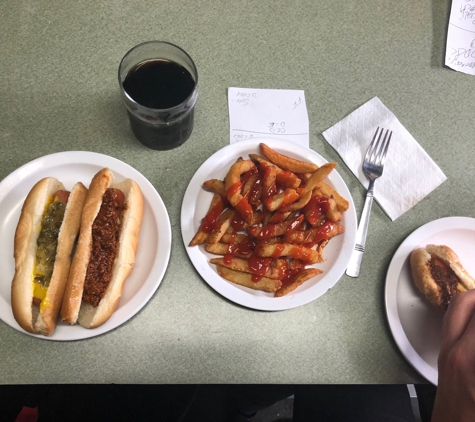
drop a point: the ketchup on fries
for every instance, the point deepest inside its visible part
(269, 219)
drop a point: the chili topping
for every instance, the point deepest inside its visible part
(445, 278)
(105, 244)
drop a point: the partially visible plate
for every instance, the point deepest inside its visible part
(415, 323)
(195, 206)
(155, 234)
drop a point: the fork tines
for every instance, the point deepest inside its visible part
(377, 150)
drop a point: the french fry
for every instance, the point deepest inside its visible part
(233, 185)
(305, 176)
(333, 214)
(221, 225)
(287, 197)
(309, 256)
(298, 205)
(321, 246)
(273, 230)
(318, 176)
(274, 240)
(268, 180)
(237, 238)
(288, 179)
(327, 190)
(287, 163)
(277, 217)
(245, 279)
(238, 223)
(199, 238)
(215, 209)
(255, 194)
(300, 278)
(216, 186)
(233, 238)
(247, 187)
(285, 177)
(315, 234)
(222, 249)
(242, 265)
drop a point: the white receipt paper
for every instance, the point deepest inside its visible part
(270, 113)
(460, 51)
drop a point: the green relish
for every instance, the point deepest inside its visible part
(48, 241)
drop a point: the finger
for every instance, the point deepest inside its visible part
(467, 341)
(457, 318)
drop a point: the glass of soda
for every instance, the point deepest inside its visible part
(159, 84)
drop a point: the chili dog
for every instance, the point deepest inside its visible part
(44, 239)
(439, 275)
(105, 253)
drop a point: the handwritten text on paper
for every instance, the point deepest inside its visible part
(460, 52)
(268, 113)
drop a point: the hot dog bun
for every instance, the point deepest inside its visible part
(439, 274)
(74, 309)
(42, 319)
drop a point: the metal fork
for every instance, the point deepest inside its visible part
(373, 166)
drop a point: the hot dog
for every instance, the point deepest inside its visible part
(44, 239)
(439, 275)
(105, 253)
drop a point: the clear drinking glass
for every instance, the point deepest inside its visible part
(159, 85)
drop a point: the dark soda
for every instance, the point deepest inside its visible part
(161, 85)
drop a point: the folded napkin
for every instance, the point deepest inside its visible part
(409, 173)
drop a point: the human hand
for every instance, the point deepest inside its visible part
(455, 398)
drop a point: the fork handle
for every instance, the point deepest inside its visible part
(353, 269)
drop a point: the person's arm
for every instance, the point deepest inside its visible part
(455, 398)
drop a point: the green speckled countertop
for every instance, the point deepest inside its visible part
(59, 92)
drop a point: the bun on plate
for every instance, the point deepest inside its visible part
(439, 274)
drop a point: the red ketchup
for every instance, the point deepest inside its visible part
(209, 220)
(237, 222)
(248, 175)
(259, 267)
(244, 247)
(242, 207)
(255, 191)
(317, 207)
(233, 190)
(291, 271)
(323, 232)
(286, 178)
(263, 233)
(265, 173)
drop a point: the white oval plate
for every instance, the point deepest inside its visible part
(195, 206)
(415, 323)
(155, 234)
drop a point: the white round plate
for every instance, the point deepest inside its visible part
(414, 322)
(69, 168)
(196, 204)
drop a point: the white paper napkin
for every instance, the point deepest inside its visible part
(409, 173)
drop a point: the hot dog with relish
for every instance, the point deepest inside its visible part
(44, 239)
